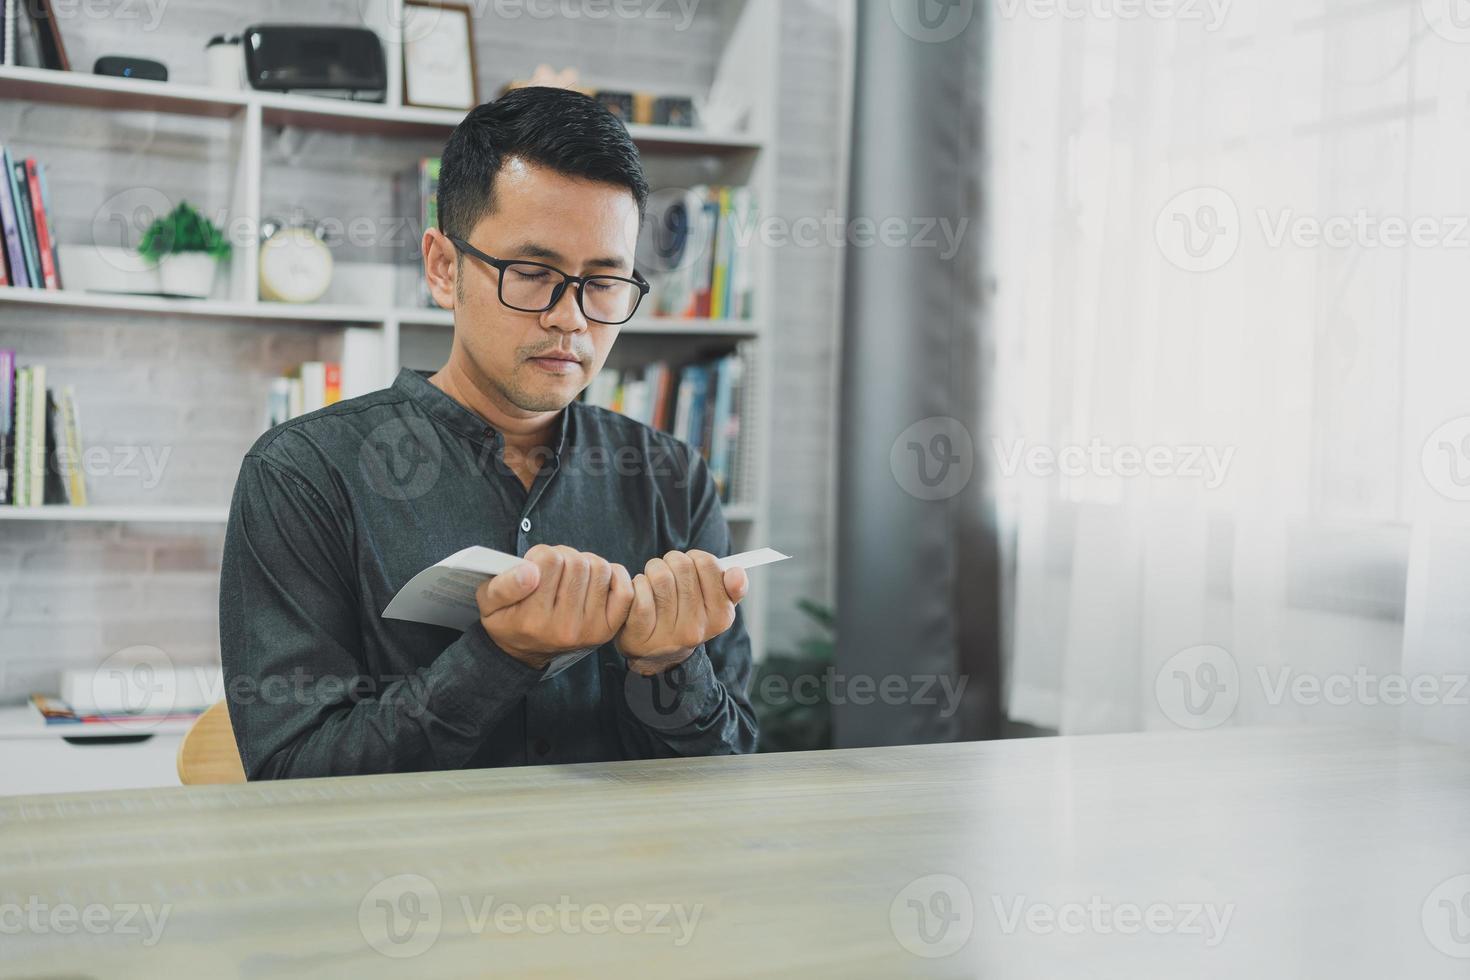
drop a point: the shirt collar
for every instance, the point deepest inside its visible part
(433, 400)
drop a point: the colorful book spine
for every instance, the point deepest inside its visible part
(7, 421)
(76, 483)
(719, 447)
(36, 451)
(333, 382)
(21, 479)
(22, 195)
(11, 230)
(44, 253)
(46, 203)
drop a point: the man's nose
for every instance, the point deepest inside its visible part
(566, 314)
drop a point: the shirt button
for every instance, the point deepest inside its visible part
(541, 746)
(526, 525)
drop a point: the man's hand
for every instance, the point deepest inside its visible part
(559, 600)
(680, 601)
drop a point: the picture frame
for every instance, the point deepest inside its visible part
(439, 55)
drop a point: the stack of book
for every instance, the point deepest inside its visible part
(314, 385)
(418, 196)
(145, 696)
(714, 277)
(40, 439)
(699, 404)
(30, 252)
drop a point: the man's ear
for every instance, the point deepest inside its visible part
(441, 266)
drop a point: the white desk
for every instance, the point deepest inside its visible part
(36, 758)
(1324, 853)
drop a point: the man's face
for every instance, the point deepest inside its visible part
(539, 362)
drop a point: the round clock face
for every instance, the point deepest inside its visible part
(295, 266)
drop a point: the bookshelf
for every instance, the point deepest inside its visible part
(747, 63)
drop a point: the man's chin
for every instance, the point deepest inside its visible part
(548, 397)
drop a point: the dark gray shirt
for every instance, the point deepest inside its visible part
(334, 511)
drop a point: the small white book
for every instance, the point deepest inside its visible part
(444, 593)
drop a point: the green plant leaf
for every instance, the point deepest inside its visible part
(182, 230)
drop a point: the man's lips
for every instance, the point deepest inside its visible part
(558, 362)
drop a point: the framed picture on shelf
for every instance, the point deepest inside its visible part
(439, 55)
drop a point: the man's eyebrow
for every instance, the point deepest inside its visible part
(533, 250)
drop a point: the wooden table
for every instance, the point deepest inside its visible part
(1243, 853)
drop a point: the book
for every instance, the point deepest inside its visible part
(53, 484)
(710, 227)
(9, 24)
(56, 711)
(21, 450)
(7, 421)
(444, 593)
(153, 688)
(333, 382)
(424, 182)
(719, 444)
(69, 449)
(45, 256)
(362, 361)
(724, 241)
(10, 227)
(21, 204)
(46, 205)
(742, 263)
(278, 403)
(313, 386)
(36, 440)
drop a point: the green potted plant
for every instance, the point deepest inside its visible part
(789, 694)
(187, 248)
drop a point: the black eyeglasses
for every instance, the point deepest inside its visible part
(534, 287)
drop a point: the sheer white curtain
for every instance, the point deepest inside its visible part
(1232, 314)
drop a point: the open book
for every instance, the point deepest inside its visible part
(444, 593)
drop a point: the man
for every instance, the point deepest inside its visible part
(540, 197)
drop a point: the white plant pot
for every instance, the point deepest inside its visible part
(187, 274)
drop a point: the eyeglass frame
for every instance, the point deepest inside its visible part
(557, 291)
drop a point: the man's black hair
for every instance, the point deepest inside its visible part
(556, 128)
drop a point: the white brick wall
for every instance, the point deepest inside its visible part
(72, 594)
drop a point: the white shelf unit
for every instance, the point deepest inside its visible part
(747, 65)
